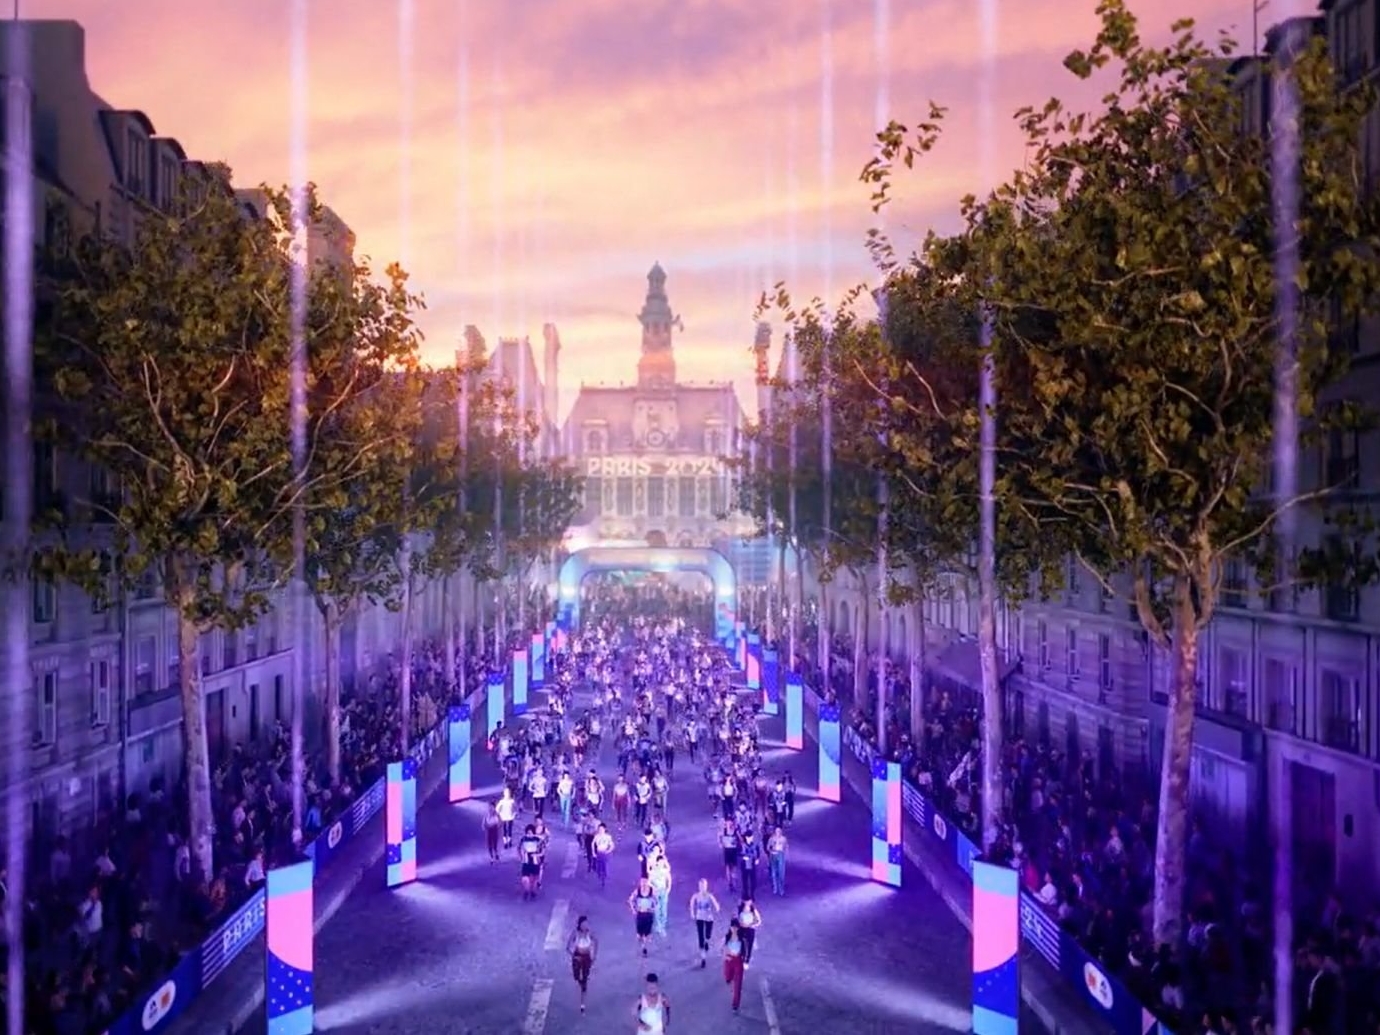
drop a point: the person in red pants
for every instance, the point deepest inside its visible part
(733, 961)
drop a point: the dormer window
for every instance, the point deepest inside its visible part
(136, 162)
(596, 440)
(714, 440)
(167, 182)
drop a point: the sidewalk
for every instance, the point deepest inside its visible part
(1045, 996)
(238, 993)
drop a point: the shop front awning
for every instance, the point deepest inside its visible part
(959, 663)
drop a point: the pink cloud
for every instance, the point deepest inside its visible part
(627, 137)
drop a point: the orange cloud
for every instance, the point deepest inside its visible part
(597, 136)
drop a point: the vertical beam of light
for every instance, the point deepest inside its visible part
(764, 392)
(1284, 178)
(407, 25)
(826, 175)
(496, 196)
(407, 36)
(987, 459)
(496, 187)
(19, 454)
(462, 356)
(793, 374)
(881, 17)
(299, 71)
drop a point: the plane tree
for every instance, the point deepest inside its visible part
(1157, 313)
(168, 357)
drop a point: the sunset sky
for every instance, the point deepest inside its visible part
(558, 147)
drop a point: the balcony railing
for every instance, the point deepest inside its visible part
(154, 710)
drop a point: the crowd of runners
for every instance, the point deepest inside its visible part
(654, 691)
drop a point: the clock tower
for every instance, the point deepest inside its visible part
(657, 366)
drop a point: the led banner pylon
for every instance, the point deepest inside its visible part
(520, 682)
(461, 762)
(753, 669)
(493, 695)
(538, 660)
(289, 920)
(771, 685)
(795, 712)
(996, 944)
(829, 743)
(400, 823)
(740, 646)
(886, 822)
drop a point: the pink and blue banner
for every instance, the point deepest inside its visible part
(519, 669)
(886, 822)
(458, 785)
(771, 681)
(795, 712)
(538, 659)
(290, 920)
(753, 668)
(996, 941)
(829, 752)
(740, 646)
(400, 823)
(497, 687)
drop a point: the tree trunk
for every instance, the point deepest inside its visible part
(332, 619)
(797, 609)
(824, 635)
(883, 652)
(783, 597)
(405, 677)
(992, 703)
(196, 754)
(461, 668)
(862, 615)
(918, 660)
(448, 623)
(1171, 832)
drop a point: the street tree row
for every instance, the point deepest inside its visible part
(275, 440)
(1150, 300)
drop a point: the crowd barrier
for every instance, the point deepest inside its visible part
(1104, 994)
(154, 1011)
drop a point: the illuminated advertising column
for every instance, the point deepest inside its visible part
(829, 752)
(996, 941)
(538, 660)
(754, 662)
(400, 823)
(289, 919)
(771, 681)
(458, 786)
(740, 647)
(498, 686)
(795, 712)
(519, 682)
(886, 822)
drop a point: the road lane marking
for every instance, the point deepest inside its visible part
(572, 859)
(555, 930)
(769, 1008)
(538, 1007)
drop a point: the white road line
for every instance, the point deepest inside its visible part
(537, 1008)
(555, 930)
(572, 859)
(769, 1008)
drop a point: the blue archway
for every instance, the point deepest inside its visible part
(650, 558)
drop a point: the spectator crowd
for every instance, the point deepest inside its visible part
(1083, 840)
(101, 933)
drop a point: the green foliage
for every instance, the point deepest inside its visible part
(836, 510)
(170, 360)
(1130, 272)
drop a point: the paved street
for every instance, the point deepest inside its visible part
(460, 952)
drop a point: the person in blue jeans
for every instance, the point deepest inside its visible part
(776, 861)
